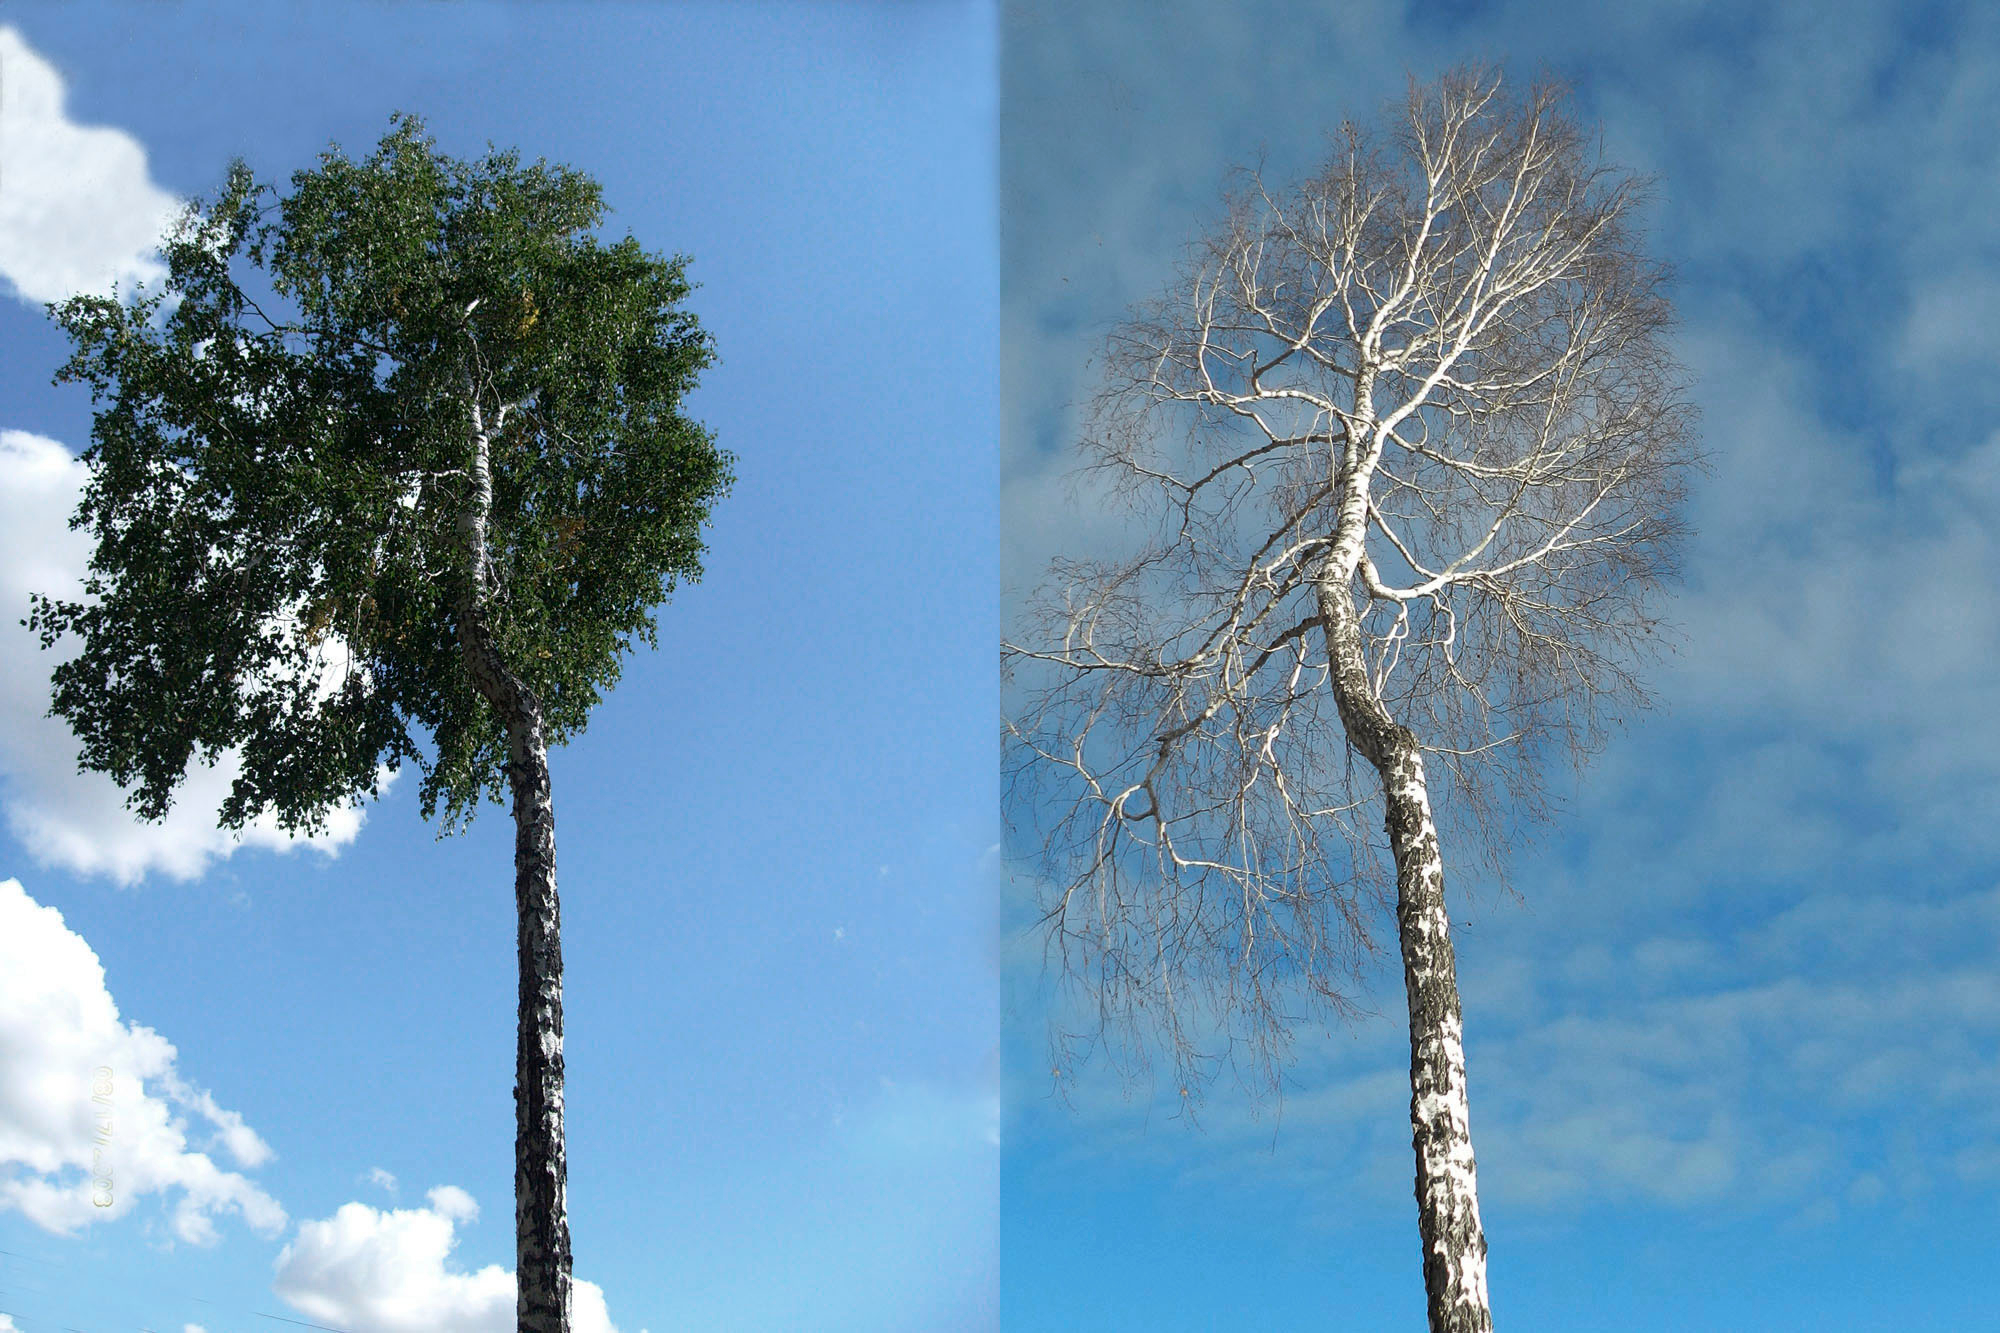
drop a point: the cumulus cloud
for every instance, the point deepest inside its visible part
(391, 1271)
(78, 208)
(79, 821)
(94, 1113)
(892, 1227)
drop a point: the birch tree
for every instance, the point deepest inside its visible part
(1411, 447)
(408, 499)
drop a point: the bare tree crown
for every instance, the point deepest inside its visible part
(1426, 394)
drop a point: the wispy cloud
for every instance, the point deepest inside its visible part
(1838, 1051)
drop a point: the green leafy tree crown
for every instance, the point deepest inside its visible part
(281, 496)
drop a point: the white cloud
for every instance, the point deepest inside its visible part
(1832, 607)
(238, 1139)
(94, 1114)
(73, 820)
(1948, 332)
(78, 207)
(391, 1271)
(381, 1179)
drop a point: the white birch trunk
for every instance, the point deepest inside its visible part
(1440, 1119)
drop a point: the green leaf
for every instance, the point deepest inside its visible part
(281, 474)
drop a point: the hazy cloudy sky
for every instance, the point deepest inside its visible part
(1735, 1055)
(777, 836)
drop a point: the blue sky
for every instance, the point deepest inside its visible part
(777, 837)
(1734, 1051)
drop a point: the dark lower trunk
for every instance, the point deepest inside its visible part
(541, 1214)
(1440, 1122)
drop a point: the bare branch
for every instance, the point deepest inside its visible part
(1431, 379)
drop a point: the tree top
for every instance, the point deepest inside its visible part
(283, 477)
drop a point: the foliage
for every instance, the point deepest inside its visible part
(281, 490)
